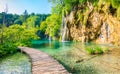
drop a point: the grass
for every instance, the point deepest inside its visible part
(96, 49)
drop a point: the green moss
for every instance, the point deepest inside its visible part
(100, 4)
(80, 17)
(86, 16)
(118, 13)
(115, 3)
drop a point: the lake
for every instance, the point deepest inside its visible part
(76, 60)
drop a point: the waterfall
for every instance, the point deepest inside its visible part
(50, 38)
(108, 31)
(64, 33)
(64, 29)
(102, 35)
(105, 32)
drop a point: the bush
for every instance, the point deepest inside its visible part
(7, 48)
(52, 28)
(20, 35)
(94, 49)
(14, 36)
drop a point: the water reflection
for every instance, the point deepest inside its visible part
(51, 47)
(56, 46)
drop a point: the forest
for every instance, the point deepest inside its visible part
(19, 30)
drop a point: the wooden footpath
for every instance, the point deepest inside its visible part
(43, 63)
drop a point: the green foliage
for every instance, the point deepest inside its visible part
(94, 49)
(57, 6)
(14, 36)
(43, 26)
(90, 50)
(86, 16)
(11, 19)
(20, 30)
(83, 9)
(82, 1)
(57, 9)
(8, 18)
(7, 48)
(100, 4)
(52, 28)
(18, 21)
(118, 13)
(115, 3)
(25, 14)
(69, 5)
(32, 21)
(67, 8)
(80, 17)
(20, 35)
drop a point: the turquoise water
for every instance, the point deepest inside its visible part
(17, 63)
(52, 47)
(73, 57)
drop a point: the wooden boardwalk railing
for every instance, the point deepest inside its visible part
(42, 63)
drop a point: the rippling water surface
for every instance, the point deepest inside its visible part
(15, 64)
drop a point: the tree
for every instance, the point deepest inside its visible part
(16, 35)
(3, 24)
(57, 6)
(32, 21)
(25, 14)
(52, 26)
(43, 26)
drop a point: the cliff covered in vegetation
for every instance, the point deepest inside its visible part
(84, 21)
(97, 21)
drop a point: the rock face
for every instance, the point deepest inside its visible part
(100, 28)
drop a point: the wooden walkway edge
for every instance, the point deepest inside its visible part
(43, 63)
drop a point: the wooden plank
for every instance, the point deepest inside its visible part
(43, 63)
